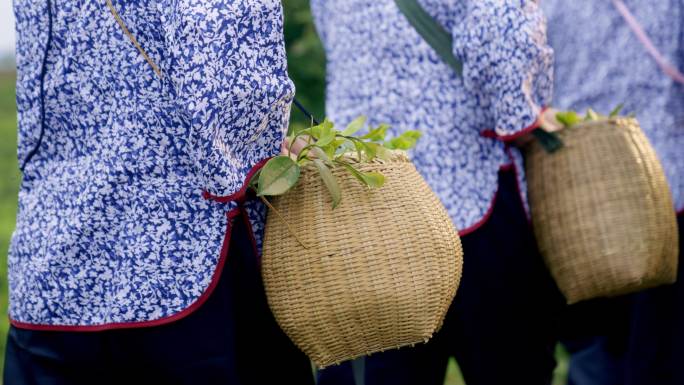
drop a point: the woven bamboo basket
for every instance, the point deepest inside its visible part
(379, 272)
(602, 211)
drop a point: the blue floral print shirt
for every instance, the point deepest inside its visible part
(380, 66)
(601, 63)
(114, 228)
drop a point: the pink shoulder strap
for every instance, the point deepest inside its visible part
(638, 30)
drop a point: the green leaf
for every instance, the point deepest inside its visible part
(253, 182)
(356, 173)
(369, 179)
(319, 130)
(405, 141)
(568, 118)
(360, 148)
(371, 150)
(329, 150)
(278, 176)
(306, 131)
(383, 153)
(346, 146)
(377, 134)
(322, 153)
(354, 126)
(329, 181)
(592, 115)
(326, 136)
(338, 146)
(616, 110)
(412, 134)
(374, 179)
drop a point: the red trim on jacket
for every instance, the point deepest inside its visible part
(158, 322)
(489, 133)
(238, 196)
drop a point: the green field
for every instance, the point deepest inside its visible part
(9, 182)
(307, 68)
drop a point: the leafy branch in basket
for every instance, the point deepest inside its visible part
(551, 142)
(328, 148)
(571, 118)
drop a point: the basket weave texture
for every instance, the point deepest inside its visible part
(602, 211)
(379, 271)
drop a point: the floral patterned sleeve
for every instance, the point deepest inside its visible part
(228, 67)
(507, 62)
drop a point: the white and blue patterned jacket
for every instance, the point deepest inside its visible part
(113, 229)
(380, 66)
(601, 63)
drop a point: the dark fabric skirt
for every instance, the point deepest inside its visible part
(231, 339)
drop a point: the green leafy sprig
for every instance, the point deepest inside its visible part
(327, 148)
(551, 142)
(571, 118)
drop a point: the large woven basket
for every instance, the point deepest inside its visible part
(602, 211)
(379, 272)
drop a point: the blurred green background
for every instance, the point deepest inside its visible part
(307, 69)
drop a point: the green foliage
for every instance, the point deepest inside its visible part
(278, 176)
(328, 148)
(306, 61)
(568, 118)
(404, 142)
(551, 142)
(9, 186)
(571, 118)
(616, 111)
(355, 126)
(329, 181)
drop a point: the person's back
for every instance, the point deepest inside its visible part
(379, 65)
(632, 53)
(116, 157)
(601, 63)
(131, 115)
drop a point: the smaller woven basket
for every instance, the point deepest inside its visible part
(602, 211)
(379, 272)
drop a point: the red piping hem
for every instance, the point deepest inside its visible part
(158, 322)
(489, 133)
(490, 210)
(680, 212)
(242, 192)
(236, 196)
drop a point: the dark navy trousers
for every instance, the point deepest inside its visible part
(232, 339)
(501, 326)
(630, 340)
